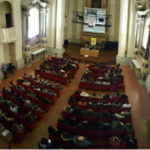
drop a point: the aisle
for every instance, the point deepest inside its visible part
(140, 106)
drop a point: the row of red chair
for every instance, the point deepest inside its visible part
(32, 81)
(19, 117)
(95, 99)
(28, 125)
(91, 134)
(92, 86)
(102, 69)
(39, 93)
(64, 67)
(69, 144)
(36, 100)
(92, 118)
(100, 108)
(63, 61)
(59, 63)
(26, 109)
(95, 77)
(17, 137)
(51, 76)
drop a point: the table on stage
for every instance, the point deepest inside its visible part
(86, 51)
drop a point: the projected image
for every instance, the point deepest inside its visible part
(146, 34)
(33, 23)
(95, 19)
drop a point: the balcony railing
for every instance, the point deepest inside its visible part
(8, 35)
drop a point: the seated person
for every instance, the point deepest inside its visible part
(106, 125)
(65, 75)
(116, 104)
(89, 113)
(29, 117)
(81, 141)
(129, 140)
(45, 144)
(107, 96)
(116, 141)
(17, 128)
(82, 103)
(57, 86)
(84, 94)
(68, 109)
(78, 111)
(27, 83)
(14, 108)
(9, 119)
(65, 136)
(21, 80)
(124, 96)
(106, 77)
(72, 121)
(93, 103)
(53, 131)
(98, 82)
(84, 125)
(126, 106)
(106, 104)
(118, 125)
(105, 114)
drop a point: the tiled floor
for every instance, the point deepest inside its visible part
(138, 97)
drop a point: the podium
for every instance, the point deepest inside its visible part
(90, 53)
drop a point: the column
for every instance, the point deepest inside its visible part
(51, 30)
(2, 60)
(25, 30)
(123, 32)
(60, 23)
(18, 42)
(112, 10)
(79, 26)
(70, 24)
(131, 33)
(43, 13)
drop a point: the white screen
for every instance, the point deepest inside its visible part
(33, 25)
(93, 17)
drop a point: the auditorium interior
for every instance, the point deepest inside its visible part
(74, 74)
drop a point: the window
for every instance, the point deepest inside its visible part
(138, 33)
(146, 34)
(33, 23)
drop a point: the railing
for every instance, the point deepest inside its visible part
(8, 35)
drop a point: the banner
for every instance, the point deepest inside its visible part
(93, 41)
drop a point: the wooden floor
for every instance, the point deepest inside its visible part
(138, 97)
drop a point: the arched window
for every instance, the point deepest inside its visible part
(146, 34)
(33, 23)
